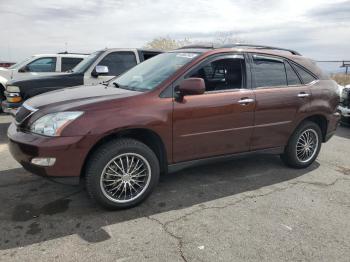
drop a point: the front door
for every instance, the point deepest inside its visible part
(39, 67)
(220, 121)
(117, 62)
(280, 98)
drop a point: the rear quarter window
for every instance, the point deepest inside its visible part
(305, 76)
(292, 77)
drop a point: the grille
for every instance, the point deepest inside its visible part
(22, 114)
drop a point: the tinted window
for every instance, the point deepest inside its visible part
(69, 63)
(305, 76)
(149, 55)
(221, 74)
(119, 62)
(292, 77)
(45, 64)
(269, 71)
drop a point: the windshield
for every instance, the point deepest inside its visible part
(154, 71)
(20, 64)
(85, 64)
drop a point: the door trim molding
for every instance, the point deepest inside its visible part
(203, 161)
(236, 128)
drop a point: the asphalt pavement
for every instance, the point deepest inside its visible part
(248, 209)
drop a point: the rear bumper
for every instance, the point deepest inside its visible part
(69, 152)
(333, 123)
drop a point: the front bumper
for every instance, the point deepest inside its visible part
(10, 108)
(69, 152)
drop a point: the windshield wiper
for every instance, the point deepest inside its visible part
(116, 85)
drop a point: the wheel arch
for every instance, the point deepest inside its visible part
(144, 135)
(320, 120)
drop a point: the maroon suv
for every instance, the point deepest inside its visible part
(177, 109)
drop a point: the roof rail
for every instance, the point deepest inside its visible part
(71, 53)
(259, 47)
(198, 46)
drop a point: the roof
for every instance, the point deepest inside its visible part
(210, 49)
(133, 49)
(210, 46)
(62, 55)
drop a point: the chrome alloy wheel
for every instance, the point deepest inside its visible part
(125, 177)
(307, 145)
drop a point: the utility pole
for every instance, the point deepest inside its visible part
(345, 63)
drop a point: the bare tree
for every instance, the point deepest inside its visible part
(167, 43)
(230, 37)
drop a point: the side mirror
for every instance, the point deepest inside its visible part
(100, 70)
(191, 86)
(24, 69)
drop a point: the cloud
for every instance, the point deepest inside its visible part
(315, 27)
(337, 12)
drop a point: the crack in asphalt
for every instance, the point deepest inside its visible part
(288, 186)
(319, 184)
(178, 239)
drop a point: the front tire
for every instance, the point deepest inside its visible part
(122, 173)
(304, 146)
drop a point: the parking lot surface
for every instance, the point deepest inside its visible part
(249, 209)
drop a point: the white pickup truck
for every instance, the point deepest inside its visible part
(98, 67)
(39, 65)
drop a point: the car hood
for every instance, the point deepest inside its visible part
(51, 79)
(5, 73)
(66, 98)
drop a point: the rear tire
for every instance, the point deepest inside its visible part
(122, 173)
(303, 146)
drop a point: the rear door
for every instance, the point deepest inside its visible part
(280, 96)
(68, 63)
(220, 121)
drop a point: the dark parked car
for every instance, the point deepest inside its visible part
(98, 67)
(180, 108)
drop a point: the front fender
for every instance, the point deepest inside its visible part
(3, 82)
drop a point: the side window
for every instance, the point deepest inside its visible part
(148, 55)
(268, 71)
(305, 76)
(222, 74)
(69, 63)
(118, 62)
(292, 77)
(45, 64)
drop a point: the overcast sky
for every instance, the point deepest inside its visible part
(318, 29)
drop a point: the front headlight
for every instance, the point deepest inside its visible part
(53, 124)
(12, 89)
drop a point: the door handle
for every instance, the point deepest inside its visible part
(303, 94)
(245, 101)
